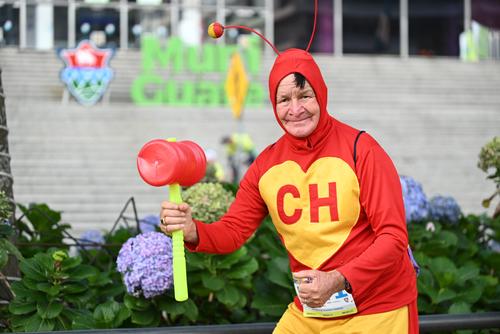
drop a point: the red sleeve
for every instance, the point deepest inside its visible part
(242, 219)
(381, 198)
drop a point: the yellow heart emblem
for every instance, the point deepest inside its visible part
(313, 211)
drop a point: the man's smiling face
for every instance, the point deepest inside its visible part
(297, 107)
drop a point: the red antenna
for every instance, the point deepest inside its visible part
(216, 30)
(314, 25)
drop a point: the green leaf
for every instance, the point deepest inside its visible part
(106, 312)
(190, 310)
(45, 262)
(144, 318)
(466, 273)
(473, 293)
(211, 282)
(36, 324)
(74, 287)
(123, 314)
(269, 304)
(196, 260)
(278, 272)
(172, 307)
(10, 248)
(32, 269)
(19, 307)
(49, 310)
(21, 291)
(449, 239)
(459, 308)
(82, 272)
(444, 270)
(83, 321)
(70, 263)
(243, 270)
(6, 230)
(133, 303)
(444, 294)
(51, 290)
(229, 295)
(230, 259)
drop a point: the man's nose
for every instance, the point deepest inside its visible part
(296, 105)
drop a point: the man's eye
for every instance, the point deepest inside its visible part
(283, 99)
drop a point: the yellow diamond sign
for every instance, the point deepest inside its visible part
(236, 85)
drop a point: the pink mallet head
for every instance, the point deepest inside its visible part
(161, 163)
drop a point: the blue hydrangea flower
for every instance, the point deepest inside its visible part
(416, 203)
(145, 261)
(444, 209)
(91, 239)
(149, 223)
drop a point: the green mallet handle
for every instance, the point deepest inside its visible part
(179, 259)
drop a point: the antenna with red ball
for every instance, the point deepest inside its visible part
(216, 30)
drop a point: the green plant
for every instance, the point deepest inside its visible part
(6, 247)
(459, 270)
(57, 292)
(272, 283)
(42, 229)
(221, 284)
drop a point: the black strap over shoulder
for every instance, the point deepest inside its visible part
(355, 144)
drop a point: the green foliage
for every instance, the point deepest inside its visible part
(221, 284)
(459, 270)
(43, 228)
(6, 247)
(253, 284)
(272, 283)
(57, 292)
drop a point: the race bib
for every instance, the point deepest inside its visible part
(340, 304)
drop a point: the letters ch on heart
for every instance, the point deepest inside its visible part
(315, 202)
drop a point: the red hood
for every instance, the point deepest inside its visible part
(300, 61)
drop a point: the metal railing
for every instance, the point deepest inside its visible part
(428, 324)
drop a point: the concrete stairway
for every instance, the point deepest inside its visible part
(432, 116)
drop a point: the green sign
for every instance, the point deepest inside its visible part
(180, 75)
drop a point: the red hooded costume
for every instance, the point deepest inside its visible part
(330, 212)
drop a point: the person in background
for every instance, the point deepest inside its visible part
(214, 172)
(240, 149)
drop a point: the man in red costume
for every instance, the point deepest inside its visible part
(335, 199)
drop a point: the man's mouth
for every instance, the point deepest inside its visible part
(296, 120)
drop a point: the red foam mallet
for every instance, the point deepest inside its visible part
(175, 164)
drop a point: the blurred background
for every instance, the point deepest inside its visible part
(422, 77)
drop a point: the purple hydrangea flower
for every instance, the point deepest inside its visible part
(91, 239)
(145, 261)
(416, 203)
(444, 209)
(149, 223)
